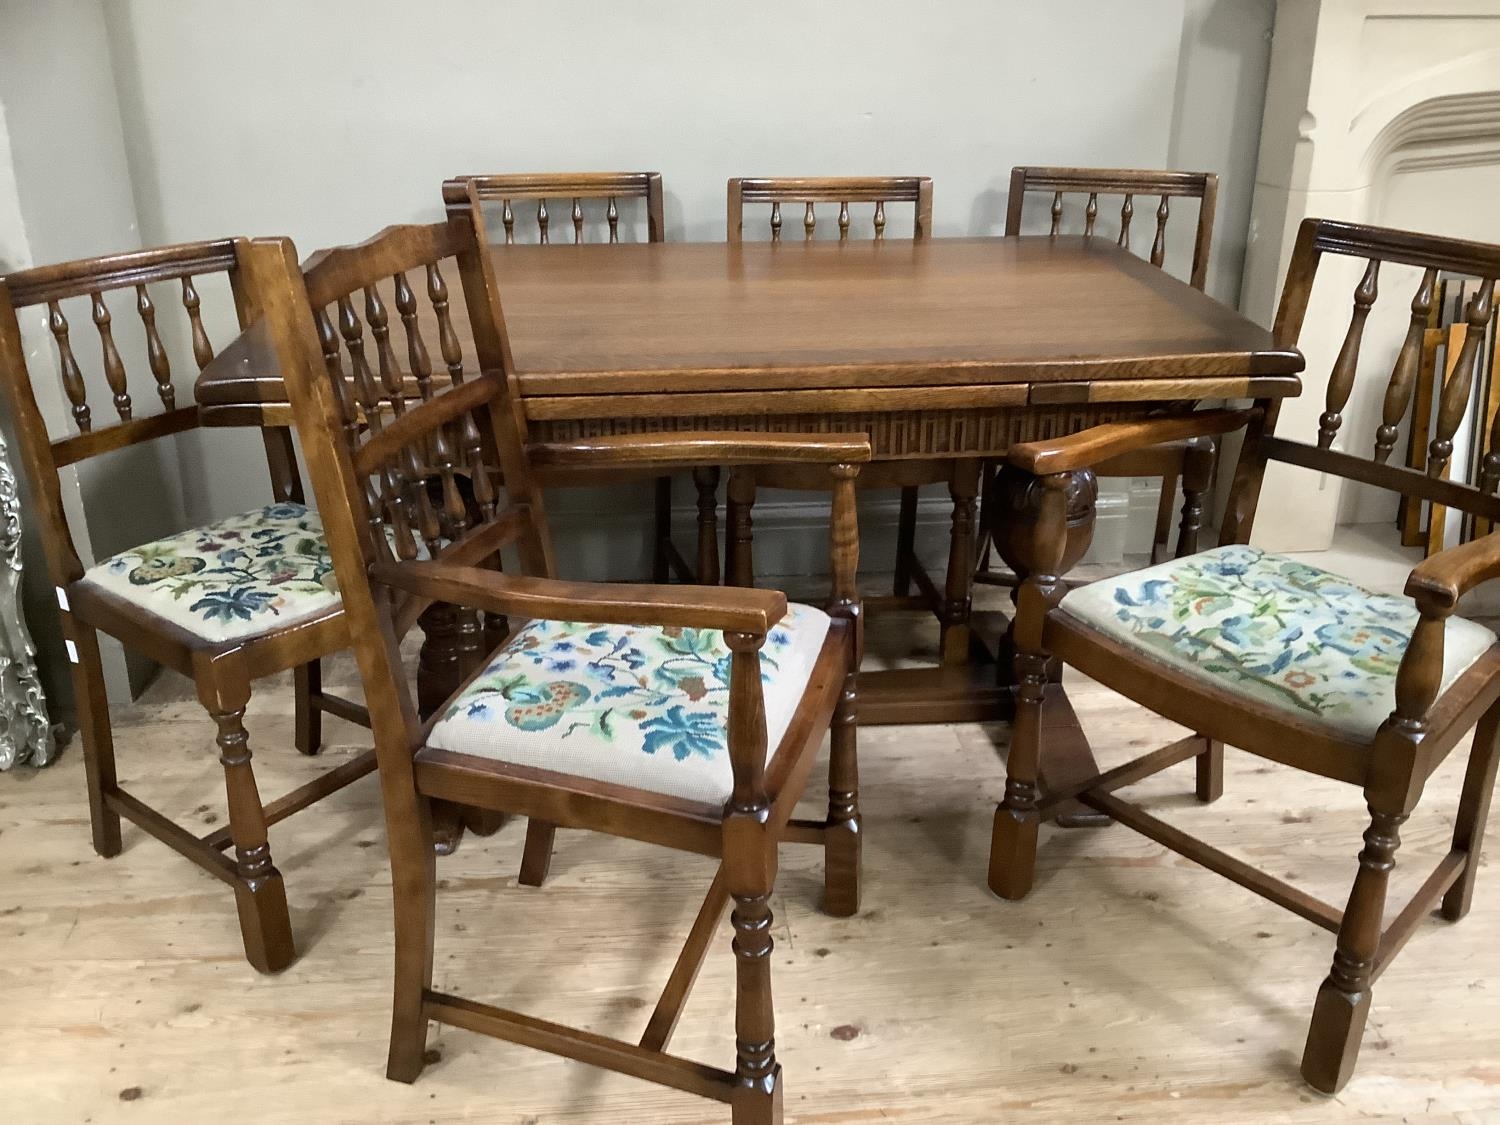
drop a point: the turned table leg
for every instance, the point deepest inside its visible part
(1013, 501)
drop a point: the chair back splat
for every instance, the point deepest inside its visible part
(1127, 184)
(843, 190)
(572, 189)
(147, 286)
(1428, 479)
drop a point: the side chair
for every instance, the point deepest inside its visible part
(950, 602)
(471, 193)
(1276, 656)
(224, 604)
(1192, 461)
(679, 715)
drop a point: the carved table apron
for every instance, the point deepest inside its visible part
(937, 349)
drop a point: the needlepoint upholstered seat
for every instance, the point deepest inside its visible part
(1274, 629)
(235, 578)
(644, 706)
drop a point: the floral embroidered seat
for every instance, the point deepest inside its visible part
(233, 579)
(642, 706)
(1275, 630)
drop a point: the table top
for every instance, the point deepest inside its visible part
(1056, 315)
(758, 316)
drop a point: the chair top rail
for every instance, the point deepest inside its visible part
(830, 189)
(1116, 180)
(1406, 247)
(116, 271)
(528, 185)
(337, 272)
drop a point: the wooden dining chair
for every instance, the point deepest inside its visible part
(950, 603)
(642, 711)
(1277, 656)
(573, 189)
(225, 604)
(1192, 462)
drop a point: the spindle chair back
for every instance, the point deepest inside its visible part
(809, 191)
(241, 623)
(1127, 184)
(572, 189)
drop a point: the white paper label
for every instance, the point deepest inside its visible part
(72, 652)
(62, 600)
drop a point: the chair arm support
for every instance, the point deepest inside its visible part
(728, 608)
(1437, 583)
(1089, 447)
(691, 449)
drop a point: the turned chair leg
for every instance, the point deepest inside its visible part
(707, 482)
(414, 889)
(757, 1093)
(906, 542)
(1474, 811)
(1210, 763)
(307, 683)
(98, 741)
(1343, 1002)
(739, 535)
(963, 488)
(986, 532)
(661, 565)
(1165, 506)
(1017, 822)
(842, 834)
(259, 893)
(536, 856)
(1197, 477)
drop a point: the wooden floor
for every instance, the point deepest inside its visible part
(1131, 986)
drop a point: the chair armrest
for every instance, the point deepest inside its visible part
(690, 449)
(729, 608)
(1437, 583)
(1090, 447)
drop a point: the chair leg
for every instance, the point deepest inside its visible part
(1017, 822)
(661, 567)
(1165, 506)
(307, 682)
(707, 482)
(986, 532)
(906, 541)
(536, 856)
(1474, 811)
(1210, 763)
(1343, 1002)
(98, 741)
(757, 1093)
(414, 889)
(843, 835)
(739, 534)
(1197, 477)
(259, 893)
(963, 487)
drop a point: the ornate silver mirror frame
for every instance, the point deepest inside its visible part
(25, 731)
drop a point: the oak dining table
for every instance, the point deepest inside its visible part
(940, 349)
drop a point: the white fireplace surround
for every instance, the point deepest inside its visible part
(1359, 91)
